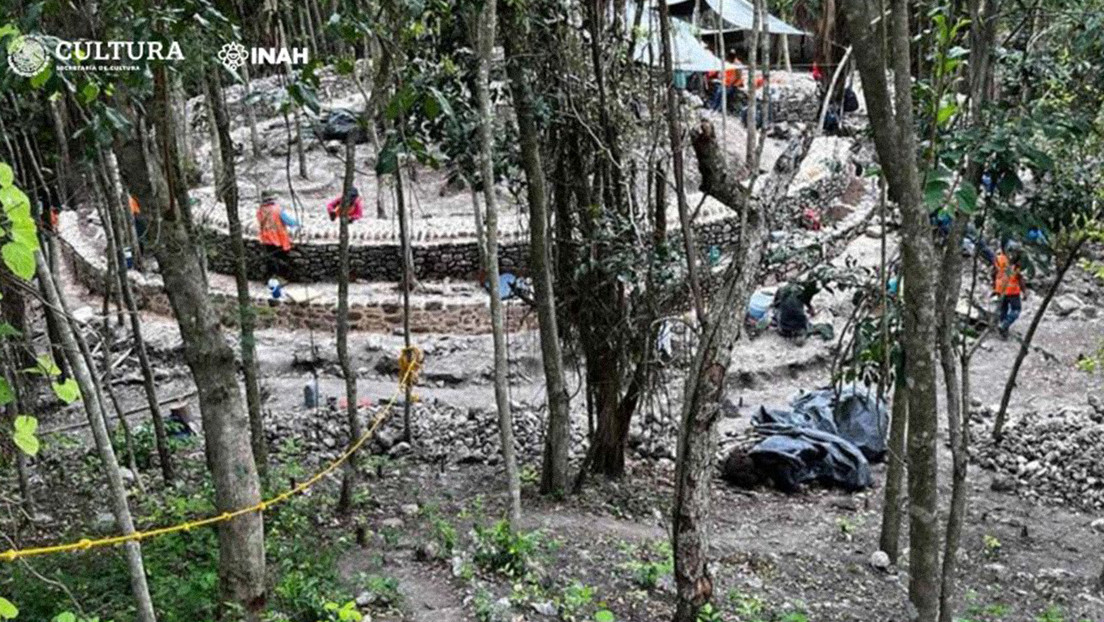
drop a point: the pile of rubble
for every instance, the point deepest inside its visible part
(1050, 458)
(446, 434)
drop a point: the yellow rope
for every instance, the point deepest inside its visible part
(408, 375)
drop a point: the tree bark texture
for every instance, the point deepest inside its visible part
(557, 440)
(93, 407)
(485, 46)
(210, 359)
(115, 214)
(890, 538)
(895, 143)
(347, 370)
(246, 313)
(705, 383)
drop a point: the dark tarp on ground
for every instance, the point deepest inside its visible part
(854, 417)
(793, 455)
(821, 440)
(338, 123)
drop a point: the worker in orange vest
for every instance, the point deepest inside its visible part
(140, 223)
(1008, 284)
(733, 81)
(272, 227)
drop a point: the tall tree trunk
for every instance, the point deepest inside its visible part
(111, 282)
(115, 214)
(347, 371)
(1029, 336)
(890, 538)
(246, 314)
(408, 284)
(557, 440)
(485, 38)
(210, 358)
(946, 332)
(126, 228)
(705, 382)
(93, 406)
(895, 142)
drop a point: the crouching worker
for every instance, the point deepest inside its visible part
(355, 206)
(793, 304)
(272, 225)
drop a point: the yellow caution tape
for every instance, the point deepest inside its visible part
(408, 375)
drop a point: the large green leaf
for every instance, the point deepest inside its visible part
(44, 365)
(24, 437)
(20, 259)
(68, 391)
(8, 611)
(7, 177)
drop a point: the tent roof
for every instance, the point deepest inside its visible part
(688, 53)
(740, 15)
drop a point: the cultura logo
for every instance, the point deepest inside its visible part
(233, 55)
(28, 55)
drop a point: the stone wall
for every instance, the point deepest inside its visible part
(458, 260)
(429, 316)
(318, 261)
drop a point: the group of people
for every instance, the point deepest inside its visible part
(793, 302)
(274, 225)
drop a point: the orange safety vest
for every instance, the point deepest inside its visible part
(1008, 281)
(272, 229)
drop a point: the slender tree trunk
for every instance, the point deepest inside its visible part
(408, 283)
(895, 142)
(753, 60)
(1029, 336)
(347, 371)
(890, 538)
(210, 358)
(126, 228)
(13, 310)
(485, 38)
(107, 336)
(115, 213)
(557, 440)
(85, 378)
(946, 332)
(246, 314)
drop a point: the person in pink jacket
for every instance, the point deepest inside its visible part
(356, 206)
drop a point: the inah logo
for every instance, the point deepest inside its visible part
(28, 55)
(233, 55)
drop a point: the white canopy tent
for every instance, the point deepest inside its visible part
(740, 15)
(688, 53)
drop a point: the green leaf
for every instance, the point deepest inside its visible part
(388, 161)
(68, 616)
(20, 259)
(967, 197)
(603, 615)
(7, 396)
(6, 175)
(8, 611)
(13, 199)
(7, 330)
(68, 391)
(45, 365)
(42, 77)
(933, 192)
(945, 113)
(24, 437)
(90, 92)
(345, 66)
